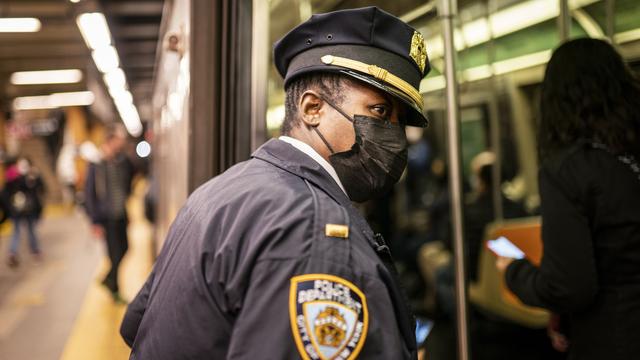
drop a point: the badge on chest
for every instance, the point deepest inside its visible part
(329, 317)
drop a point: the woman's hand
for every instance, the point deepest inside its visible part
(559, 341)
(503, 262)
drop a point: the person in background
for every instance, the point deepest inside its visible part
(107, 188)
(23, 198)
(480, 209)
(590, 191)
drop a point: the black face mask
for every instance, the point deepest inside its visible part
(375, 162)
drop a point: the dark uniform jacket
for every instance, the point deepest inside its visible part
(250, 270)
(590, 270)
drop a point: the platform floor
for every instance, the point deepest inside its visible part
(57, 309)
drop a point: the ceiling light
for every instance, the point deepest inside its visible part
(75, 1)
(19, 25)
(46, 77)
(94, 30)
(106, 59)
(122, 97)
(131, 119)
(78, 98)
(115, 79)
(503, 22)
(143, 149)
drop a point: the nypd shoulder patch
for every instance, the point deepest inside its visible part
(329, 317)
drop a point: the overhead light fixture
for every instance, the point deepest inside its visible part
(118, 92)
(75, 1)
(56, 100)
(122, 97)
(115, 79)
(106, 59)
(143, 149)
(503, 22)
(131, 119)
(485, 71)
(19, 25)
(68, 76)
(94, 30)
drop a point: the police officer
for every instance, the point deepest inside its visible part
(271, 260)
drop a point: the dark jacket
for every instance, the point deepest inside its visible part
(96, 191)
(232, 281)
(590, 269)
(23, 196)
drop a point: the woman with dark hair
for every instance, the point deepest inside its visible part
(589, 138)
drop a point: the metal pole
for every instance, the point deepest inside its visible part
(610, 19)
(494, 124)
(447, 12)
(564, 21)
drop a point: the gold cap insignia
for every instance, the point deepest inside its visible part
(418, 51)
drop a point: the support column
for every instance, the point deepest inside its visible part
(447, 12)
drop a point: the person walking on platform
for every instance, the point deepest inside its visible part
(107, 188)
(271, 260)
(590, 192)
(22, 197)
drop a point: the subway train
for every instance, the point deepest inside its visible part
(502, 49)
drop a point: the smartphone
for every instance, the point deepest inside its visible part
(423, 328)
(503, 247)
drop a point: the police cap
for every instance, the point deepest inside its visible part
(368, 44)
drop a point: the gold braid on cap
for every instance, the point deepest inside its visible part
(378, 73)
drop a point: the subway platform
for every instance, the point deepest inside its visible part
(56, 308)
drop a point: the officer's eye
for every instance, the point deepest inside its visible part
(381, 110)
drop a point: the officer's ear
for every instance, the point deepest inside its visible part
(310, 106)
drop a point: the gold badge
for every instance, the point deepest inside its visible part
(335, 230)
(418, 50)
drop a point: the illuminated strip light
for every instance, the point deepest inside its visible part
(96, 34)
(106, 59)
(503, 22)
(432, 84)
(588, 24)
(94, 30)
(130, 118)
(275, 117)
(56, 100)
(627, 36)
(485, 71)
(68, 76)
(20, 25)
(115, 79)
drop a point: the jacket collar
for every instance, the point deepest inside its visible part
(290, 159)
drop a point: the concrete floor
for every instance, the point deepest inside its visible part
(56, 309)
(39, 301)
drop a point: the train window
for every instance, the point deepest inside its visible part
(473, 135)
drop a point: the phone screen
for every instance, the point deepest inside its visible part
(423, 328)
(503, 247)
